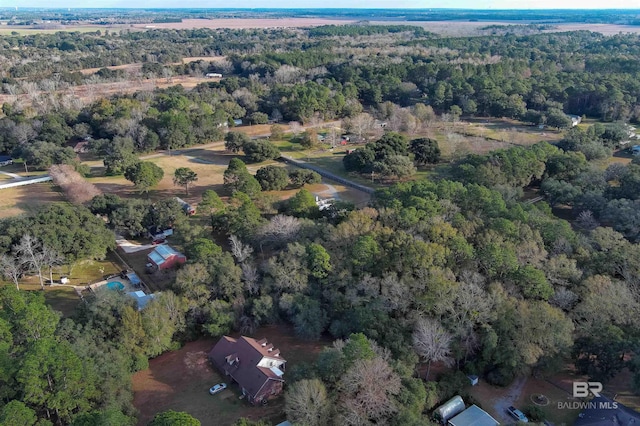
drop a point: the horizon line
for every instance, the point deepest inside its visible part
(581, 8)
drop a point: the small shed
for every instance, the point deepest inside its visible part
(142, 299)
(473, 379)
(449, 409)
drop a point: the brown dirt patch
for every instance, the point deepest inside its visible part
(135, 67)
(132, 67)
(240, 23)
(190, 59)
(179, 380)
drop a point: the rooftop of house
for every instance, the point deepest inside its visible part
(473, 416)
(251, 362)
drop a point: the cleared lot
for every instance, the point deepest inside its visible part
(180, 381)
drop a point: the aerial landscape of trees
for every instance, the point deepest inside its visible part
(448, 264)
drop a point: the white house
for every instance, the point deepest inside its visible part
(575, 119)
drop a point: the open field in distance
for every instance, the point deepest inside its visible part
(240, 23)
(473, 28)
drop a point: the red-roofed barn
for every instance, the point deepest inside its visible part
(255, 365)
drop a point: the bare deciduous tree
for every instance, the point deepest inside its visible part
(76, 188)
(432, 342)
(586, 221)
(307, 403)
(564, 299)
(10, 269)
(279, 229)
(366, 390)
(288, 74)
(470, 306)
(250, 276)
(295, 127)
(51, 258)
(240, 250)
(360, 125)
(30, 254)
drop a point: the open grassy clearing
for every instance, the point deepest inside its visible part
(27, 199)
(179, 380)
(209, 177)
(209, 164)
(63, 298)
(478, 136)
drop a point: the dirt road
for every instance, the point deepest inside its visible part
(501, 404)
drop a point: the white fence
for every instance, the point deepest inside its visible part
(27, 181)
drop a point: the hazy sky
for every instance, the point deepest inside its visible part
(465, 4)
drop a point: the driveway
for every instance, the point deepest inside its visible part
(131, 247)
(513, 393)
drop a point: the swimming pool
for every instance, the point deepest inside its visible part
(115, 285)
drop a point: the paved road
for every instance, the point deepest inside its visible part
(304, 165)
(13, 175)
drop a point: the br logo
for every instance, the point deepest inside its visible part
(583, 389)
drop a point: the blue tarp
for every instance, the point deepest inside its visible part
(134, 278)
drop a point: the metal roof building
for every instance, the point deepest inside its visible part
(142, 299)
(473, 416)
(164, 257)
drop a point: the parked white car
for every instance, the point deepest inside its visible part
(217, 388)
